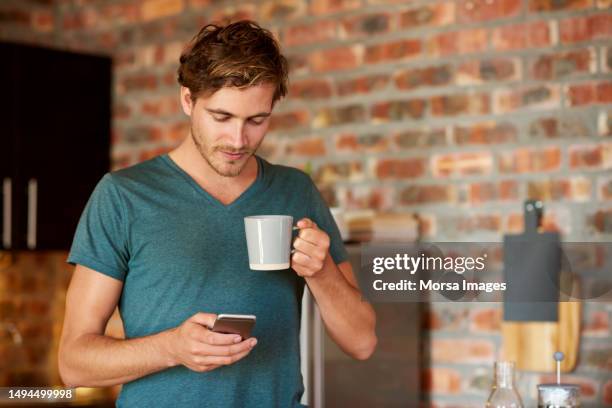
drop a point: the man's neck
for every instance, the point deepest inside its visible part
(225, 189)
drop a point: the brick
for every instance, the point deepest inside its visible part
(78, 20)
(440, 317)
(420, 138)
(457, 42)
(428, 15)
(578, 29)
(398, 110)
(485, 133)
(330, 173)
(606, 59)
(461, 351)
(418, 77)
(555, 5)
(479, 193)
(364, 84)
(596, 324)
(234, 13)
(298, 64)
(15, 16)
(289, 120)
(147, 154)
(140, 134)
(42, 21)
(368, 143)
(121, 111)
(154, 9)
(339, 116)
(310, 89)
(283, 9)
(199, 4)
(486, 320)
(397, 50)
(462, 164)
(590, 156)
(607, 393)
(176, 132)
(572, 189)
(437, 380)
(121, 161)
(535, 97)
(399, 168)
(460, 104)
(319, 7)
(169, 53)
(113, 15)
(498, 69)
(470, 11)
(138, 82)
(366, 25)
(366, 197)
(567, 126)
(589, 93)
(523, 35)
(311, 33)
(161, 106)
(604, 188)
(336, 59)
(528, 160)
(479, 224)
(427, 194)
(310, 147)
(563, 64)
(604, 123)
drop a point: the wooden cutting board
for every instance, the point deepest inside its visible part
(532, 344)
(537, 322)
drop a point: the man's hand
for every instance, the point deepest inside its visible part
(311, 248)
(196, 347)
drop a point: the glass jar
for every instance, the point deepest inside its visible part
(504, 394)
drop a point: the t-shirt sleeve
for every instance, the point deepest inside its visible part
(323, 218)
(100, 241)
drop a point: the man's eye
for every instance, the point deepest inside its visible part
(256, 121)
(221, 118)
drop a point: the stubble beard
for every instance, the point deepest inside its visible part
(207, 153)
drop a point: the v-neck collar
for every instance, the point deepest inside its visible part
(250, 190)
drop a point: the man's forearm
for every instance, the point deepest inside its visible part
(349, 319)
(94, 360)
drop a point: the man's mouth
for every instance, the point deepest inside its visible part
(233, 155)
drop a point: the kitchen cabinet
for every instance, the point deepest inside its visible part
(55, 112)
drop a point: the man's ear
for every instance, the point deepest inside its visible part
(186, 102)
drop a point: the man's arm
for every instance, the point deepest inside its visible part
(89, 358)
(349, 319)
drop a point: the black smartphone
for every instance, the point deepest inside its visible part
(234, 324)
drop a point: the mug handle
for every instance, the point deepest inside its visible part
(294, 228)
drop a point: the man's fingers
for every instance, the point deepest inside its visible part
(226, 360)
(304, 246)
(205, 319)
(306, 223)
(227, 351)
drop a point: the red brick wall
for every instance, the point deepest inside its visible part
(456, 110)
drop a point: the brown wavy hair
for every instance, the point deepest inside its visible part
(241, 54)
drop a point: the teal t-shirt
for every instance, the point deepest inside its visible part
(180, 251)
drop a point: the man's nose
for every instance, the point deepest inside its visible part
(238, 137)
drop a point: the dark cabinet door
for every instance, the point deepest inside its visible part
(8, 70)
(62, 142)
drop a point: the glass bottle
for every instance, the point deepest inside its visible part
(504, 394)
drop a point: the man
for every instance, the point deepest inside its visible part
(165, 241)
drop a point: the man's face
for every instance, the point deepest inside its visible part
(228, 126)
